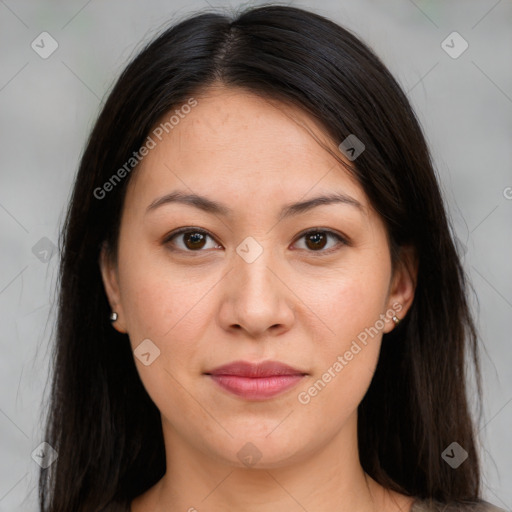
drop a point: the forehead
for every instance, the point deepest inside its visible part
(234, 142)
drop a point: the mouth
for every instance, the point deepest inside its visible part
(256, 381)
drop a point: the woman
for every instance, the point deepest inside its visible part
(261, 305)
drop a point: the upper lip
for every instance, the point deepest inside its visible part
(248, 369)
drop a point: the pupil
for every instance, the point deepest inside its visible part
(317, 237)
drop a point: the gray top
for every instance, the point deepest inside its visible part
(435, 506)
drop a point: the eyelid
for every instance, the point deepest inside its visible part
(342, 239)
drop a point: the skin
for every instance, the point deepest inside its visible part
(208, 306)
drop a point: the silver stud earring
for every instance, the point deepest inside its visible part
(396, 319)
(113, 316)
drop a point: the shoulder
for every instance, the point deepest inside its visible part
(436, 506)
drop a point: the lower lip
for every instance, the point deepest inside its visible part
(256, 388)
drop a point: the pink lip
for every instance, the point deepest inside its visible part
(256, 381)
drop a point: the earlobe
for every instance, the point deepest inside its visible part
(111, 285)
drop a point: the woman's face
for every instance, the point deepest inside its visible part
(253, 279)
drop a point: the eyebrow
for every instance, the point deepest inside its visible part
(216, 208)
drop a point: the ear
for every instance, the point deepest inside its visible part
(403, 285)
(110, 279)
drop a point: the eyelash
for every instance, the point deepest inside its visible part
(342, 240)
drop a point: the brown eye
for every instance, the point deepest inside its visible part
(317, 240)
(191, 240)
(194, 240)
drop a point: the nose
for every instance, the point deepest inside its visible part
(256, 297)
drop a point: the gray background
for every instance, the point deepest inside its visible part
(47, 109)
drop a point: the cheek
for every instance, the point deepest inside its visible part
(157, 308)
(345, 361)
(158, 296)
(350, 305)
(167, 310)
(352, 299)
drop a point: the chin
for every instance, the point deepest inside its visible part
(260, 452)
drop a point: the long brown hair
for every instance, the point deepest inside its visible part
(100, 417)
